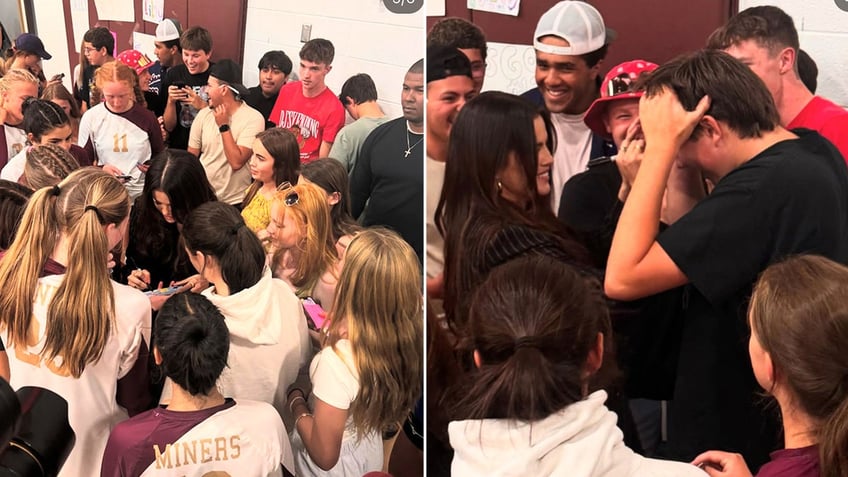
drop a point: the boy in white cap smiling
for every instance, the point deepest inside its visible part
(169, 53)
(571, 43)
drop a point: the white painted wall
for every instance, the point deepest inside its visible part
(823, 33)
(367, 37)
(510, 68)
(51, 31)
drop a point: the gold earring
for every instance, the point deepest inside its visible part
(499, 185)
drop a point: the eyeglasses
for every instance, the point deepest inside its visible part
(291, 198)
(88, 50)
(619, 85)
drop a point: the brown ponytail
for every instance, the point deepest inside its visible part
(533, 323)
(799, 312)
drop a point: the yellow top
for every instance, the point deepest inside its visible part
(257, 213)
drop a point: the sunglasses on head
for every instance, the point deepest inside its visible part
(291, 198)
(620, 84)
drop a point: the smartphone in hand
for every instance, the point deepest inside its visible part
(315, 316)
(163, 291)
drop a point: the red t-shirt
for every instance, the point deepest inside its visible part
(829, 119)
(312, 120)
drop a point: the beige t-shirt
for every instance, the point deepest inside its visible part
(435, 243)
(245, 124)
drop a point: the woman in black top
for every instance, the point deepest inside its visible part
(493, 208)
(174, 185)
(494, 204)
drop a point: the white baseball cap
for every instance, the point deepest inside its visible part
(168, 30)
(576, 22)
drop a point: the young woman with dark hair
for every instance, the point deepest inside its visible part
(67, 327)
(269, 339)
(44, 123)
(799, 328)
(531, 405)
(59, 95)
(190, 345)
(493, 208)
(174, 185)
(331, 176)
(275, 160)
(494, 205)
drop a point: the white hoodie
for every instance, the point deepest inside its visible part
(269, 342)
(581, 440)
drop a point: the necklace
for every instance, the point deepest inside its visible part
(408, 147)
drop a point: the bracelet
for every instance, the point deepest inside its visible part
(291, 403)
(301, 417)
(223, 128)
(288, 396)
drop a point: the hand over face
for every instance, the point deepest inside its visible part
(629, 156)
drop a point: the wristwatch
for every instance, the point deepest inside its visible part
(223, 128)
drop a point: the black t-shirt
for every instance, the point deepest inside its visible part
(256, 100)
(83, 92)
(792, 198)
(591, 208)
(392, 184)
(178, 138)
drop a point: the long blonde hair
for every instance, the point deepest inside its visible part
(379, 302)
(317, 248)
(81, 313)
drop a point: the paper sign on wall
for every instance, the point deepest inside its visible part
(115, 10)
(144, 43)
(504, 7)
(153, 10)
(435, 8)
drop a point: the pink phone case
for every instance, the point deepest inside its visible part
(315, 312)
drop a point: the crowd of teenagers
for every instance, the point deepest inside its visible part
(631, 270)
(182, 265)
(636, 269)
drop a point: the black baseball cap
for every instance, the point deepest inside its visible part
(443, 61)
(229, 72)
(33, 44)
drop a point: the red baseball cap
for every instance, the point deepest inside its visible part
(617, 85)
(136, 60)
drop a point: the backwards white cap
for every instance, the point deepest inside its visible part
(576, 22)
